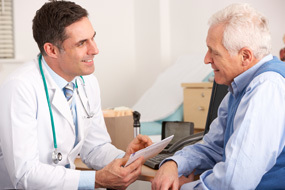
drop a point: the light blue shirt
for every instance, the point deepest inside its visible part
(257, 140)
(87, 178)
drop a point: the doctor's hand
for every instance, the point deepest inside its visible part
(140, 142)
(115, 176)
(166, 177)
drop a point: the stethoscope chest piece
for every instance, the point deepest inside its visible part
(56, 157)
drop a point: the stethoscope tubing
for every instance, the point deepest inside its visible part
(48, 101)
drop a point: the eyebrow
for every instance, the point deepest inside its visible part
(94, 34)
(84, 40)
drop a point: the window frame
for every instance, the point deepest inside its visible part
(7, 47)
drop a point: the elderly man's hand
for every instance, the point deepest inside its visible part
(166, 177)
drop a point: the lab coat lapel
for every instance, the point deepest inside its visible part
(60, 103)
(58, 100)
(83, 124)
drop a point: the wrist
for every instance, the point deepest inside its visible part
(173, 163)
(98, 181)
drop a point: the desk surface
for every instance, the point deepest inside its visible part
(146, 175)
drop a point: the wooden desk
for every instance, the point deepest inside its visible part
(146, 175)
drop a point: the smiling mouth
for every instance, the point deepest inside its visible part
(88, 61)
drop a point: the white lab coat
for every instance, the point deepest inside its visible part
(26, 141)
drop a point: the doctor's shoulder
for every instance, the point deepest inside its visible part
(26, 75)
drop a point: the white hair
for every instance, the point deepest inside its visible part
(244, 27)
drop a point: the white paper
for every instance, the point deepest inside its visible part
(150, 151)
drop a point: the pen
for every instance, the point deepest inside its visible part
(136, 117)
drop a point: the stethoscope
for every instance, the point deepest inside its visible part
(57, 156)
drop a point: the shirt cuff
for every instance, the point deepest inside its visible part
(195, 185)
(121, 155)
(166, 160)
(87, 180)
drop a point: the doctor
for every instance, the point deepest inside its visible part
(40, 132)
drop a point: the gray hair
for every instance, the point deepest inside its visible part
(244, 27)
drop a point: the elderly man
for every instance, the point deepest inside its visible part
(244, 148)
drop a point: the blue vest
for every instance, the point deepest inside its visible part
(275, 177)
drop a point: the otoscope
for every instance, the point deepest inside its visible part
(136, 116)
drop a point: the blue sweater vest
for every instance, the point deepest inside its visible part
(275, 177)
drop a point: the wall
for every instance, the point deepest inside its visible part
(138, 39)
(189, 22)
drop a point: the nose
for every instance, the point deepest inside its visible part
(208, 59)
(93, 49)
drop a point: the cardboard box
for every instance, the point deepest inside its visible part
(121, 130)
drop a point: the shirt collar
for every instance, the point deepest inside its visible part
(61, 82)
(242, 80)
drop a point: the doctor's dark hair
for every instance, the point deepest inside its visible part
(51, 20)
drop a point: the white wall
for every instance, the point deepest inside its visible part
(138, 39)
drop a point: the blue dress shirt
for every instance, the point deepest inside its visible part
(257, 140)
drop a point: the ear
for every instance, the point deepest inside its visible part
(246, 56)
(51, 50)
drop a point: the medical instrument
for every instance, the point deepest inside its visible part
(137, 124)
(57, 156)
(88, 113)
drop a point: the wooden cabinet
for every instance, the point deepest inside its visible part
(196, 103)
